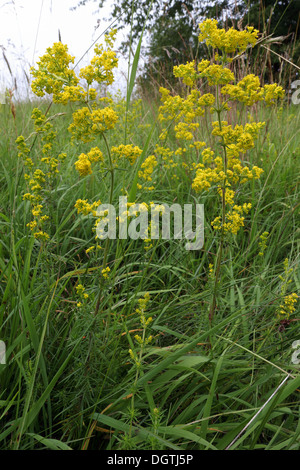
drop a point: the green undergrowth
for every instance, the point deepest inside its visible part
(69, 380)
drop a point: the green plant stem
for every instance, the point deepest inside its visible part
(135, 381)
(221, 245)
(107, 241)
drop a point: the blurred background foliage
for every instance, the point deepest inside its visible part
(172, 35)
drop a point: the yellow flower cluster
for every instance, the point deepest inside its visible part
(272, 93)
(287, 272)
(288, 306)
(83, 207)
(211, 271)
(146, 171)
(44, 128)
(55, 76)
(236, 140)
(101, 67)
(249, 91)
(214, 170)
(141, 340)
(290, 300)
(144, 321)
(185, 131)
(225, 170)
(166, 155)
(177, 108)
(128, 152)
(54, 73)
(187, 72)
(241, 138)
(83, 165)
(184, 113)
(214, 73)
(84, 162)
(39, 175)
(88, 124)
(234, 219)
(227, 41)
(76, 93)
(105, 272)
(263, 243)
(80, 290)
(206, 100)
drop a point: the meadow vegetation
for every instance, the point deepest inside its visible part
(142, 344)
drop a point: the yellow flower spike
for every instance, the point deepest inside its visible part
(288, 307)
(211, 271)
(229, 195)
(138, 339)
(147, 169)
(131, 353)
(43, 236)
(263, 243)
(233, 219)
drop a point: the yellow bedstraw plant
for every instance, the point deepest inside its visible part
(92, 118)
(221, 168)
(55, 75)
(288, 305)
(137, 354)
(39, 175)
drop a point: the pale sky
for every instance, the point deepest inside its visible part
(28, 27)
